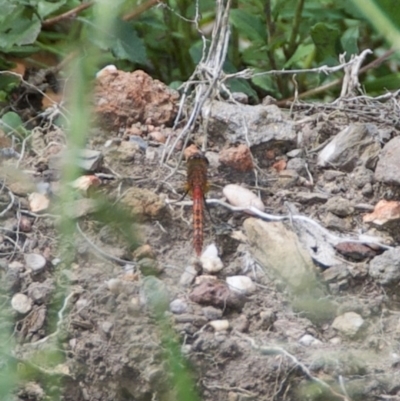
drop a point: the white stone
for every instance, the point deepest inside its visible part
(335, 340)
(134, 306)
(35, 262)
(106, 70)
(21, 303)
(188, 276)
(348, 324)
(242, 197)
(308, 340)
(178, 306)
(219, 325)
(115, 285)
(241, 284)
(210, 260)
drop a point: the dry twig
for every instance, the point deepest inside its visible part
(266, 350)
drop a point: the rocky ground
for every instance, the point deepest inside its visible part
(293, 299)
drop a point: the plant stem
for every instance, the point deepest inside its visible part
(270, 52)
(296, 26)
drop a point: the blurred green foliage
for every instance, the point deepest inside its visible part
(166, 42)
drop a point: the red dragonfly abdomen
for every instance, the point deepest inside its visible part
(197, 186)
(198, 215)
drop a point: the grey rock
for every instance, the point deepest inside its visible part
(241, 324)
(331, 175)
(35, 262)
(267, 319)
(385, 268)
(333, 222)
(367, 190)
(178, 306)
(295, 153)
(297, 164)
(41, 292)
(240, 97)
(362, 176)
(212, 313)
(265, 124)
(348, 324)
(188, 276)
(288, 178)
(309, 341)
(335, 273)
(311, 198)
(339, 206)
(357, 144)
(106, 327)
(388, 167)
(278, 249)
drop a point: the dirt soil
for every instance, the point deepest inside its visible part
(91, 331)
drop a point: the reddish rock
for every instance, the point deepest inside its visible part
(355, 251)
(238, 158)
(384, 212)
(158, 136)
(190, 151)
(279, 165)
(216, 293)
(124, 98)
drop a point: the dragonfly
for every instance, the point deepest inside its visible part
(197, 186)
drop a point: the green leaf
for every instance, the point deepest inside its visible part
(302, 52)
(8, 82)
(11, 122)
(122, 41)
(20, 28)
(265, 82)
(349, 41)
(241, 85)
(45, 8)
(387, 82)
(326, 39)
(127, 45)
(248, 25)
(196, 51)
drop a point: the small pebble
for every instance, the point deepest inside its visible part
(210, 261)
(106, 70)
(106, 327)
(188, 276)
(242, 197)
(308, 340)
(212, 313)
(219, 325)
(115, 285)
(81, 303)
(178, 306)
(35, 262)
(241, 284)
(21, 303)
(134, 306)
(56, 261)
